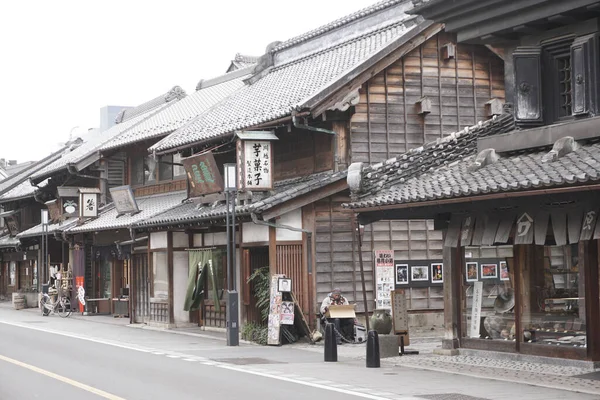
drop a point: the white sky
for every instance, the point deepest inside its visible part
(62, 60)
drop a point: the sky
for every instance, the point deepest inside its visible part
(62, 60)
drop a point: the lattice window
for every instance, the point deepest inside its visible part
(563, 67)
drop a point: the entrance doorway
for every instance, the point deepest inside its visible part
(141, 288)
(253, 259)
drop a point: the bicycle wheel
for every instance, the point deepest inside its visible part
(45, 311)
(64, 307)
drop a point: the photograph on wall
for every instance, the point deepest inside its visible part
(489, 271)
(472, 272)
(419, 273)
(437, 272)
(504, 276)
(402, 274)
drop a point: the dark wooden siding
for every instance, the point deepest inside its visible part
(300, 153)
(386, 122)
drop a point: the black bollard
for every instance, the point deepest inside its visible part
(373, 358)
(401, 345)
(330, 344)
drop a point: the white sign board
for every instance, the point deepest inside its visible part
(476, 309)
(287, 313)
(124, 200)
(89, 205)
(257, 169)
(384, 278)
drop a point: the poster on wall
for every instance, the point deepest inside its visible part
(476, 309)
(384, 278)
(274, 327)
(287, 313)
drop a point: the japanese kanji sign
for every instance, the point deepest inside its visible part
(203, 174)
(256, 164)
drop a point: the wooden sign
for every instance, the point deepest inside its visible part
(255, 164)
(88, 203)
(124, 200)
(476, 309)
(399, 311)
(54, 211)
(589, 222)
(540, 227)
(12, 223)
(468, 225)
(574, 227)
(203, 174)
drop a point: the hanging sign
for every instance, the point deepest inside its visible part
(255, 162)
(384, 278)
(54, 211)
(89, 199)
(12, 223)
(476, 309)
(203, 174)
(124, 200)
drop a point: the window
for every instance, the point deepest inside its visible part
(147, 171)
(556, 80)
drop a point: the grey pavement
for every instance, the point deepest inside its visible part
(144, 363)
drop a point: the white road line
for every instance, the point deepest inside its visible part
(68, 381)
(216, 365)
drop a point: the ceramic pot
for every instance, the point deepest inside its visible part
(381, 321)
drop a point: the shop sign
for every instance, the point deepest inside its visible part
(203, 174)
(12, 223)
(70, 206)
(589, 222)
(399, 311)
(88, 204)
(476, 309)
(54, 211)
(124, 200)
(255, 163)
(384, 278)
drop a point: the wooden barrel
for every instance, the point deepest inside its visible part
(19, 301)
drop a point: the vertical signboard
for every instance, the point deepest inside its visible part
(274, 327)
(384, 278)
(476, 309)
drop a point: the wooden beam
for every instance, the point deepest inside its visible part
(170, 275)
(305, 199)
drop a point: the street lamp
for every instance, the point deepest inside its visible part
(230, 186)
(44, 245)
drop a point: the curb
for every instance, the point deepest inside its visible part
(192, 334)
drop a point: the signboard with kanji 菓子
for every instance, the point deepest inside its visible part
(203, 174)
(257, 165)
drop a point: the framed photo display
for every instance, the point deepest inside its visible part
(437, 273)
(402, 274)
(419, 273)
(489, 271)
(472, 271)
(284, 285)
(504, 275)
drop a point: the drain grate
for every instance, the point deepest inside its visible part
(246, 361)
(450, 396)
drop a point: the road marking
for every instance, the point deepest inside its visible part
(71, 382)
(271, 375)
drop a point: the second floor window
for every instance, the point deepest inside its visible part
(148, 171)
(557, 75)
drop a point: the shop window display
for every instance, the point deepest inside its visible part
(161, 275)
(554, 306)
(488, 296)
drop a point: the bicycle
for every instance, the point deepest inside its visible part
(62, 306)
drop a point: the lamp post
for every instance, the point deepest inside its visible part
(44, 246)
(230, 183)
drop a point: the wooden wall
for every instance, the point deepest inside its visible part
(301, 153)
(386, 122)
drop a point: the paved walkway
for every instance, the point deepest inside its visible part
(552, 376)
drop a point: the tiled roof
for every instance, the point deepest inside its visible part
(17, 179)
(149, 206)
(190, 212)
(381, 5)
(286, 87)
(178, 113)
(421, 173)
(24, 189)
(8, 241)
(241, 61)
(93, 142)
(52, 228)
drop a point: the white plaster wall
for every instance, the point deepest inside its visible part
(158, 240)
(293, 219)
(218, 239)
(180, 278)
(197, 240)
(180, 239)
(253, 233)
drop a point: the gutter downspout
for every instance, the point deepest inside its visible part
(321, 130)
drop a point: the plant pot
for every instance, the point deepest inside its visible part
(381, 321)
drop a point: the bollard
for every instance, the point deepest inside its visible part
(330, 344)
(373, 359)
(401, 345)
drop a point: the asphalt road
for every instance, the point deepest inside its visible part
(35, 365)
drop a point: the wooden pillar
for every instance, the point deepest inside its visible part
(272, 250)
(452, 258)
(170, 275)
(588, 261)
(341, 143)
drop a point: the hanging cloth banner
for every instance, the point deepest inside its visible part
(201, 267)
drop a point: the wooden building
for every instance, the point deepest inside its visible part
(515, 198)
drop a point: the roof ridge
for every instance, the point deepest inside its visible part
(342, 44)
(381, 5)
(176, 93)
(229, 76)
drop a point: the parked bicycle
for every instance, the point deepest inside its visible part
(60, 306)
